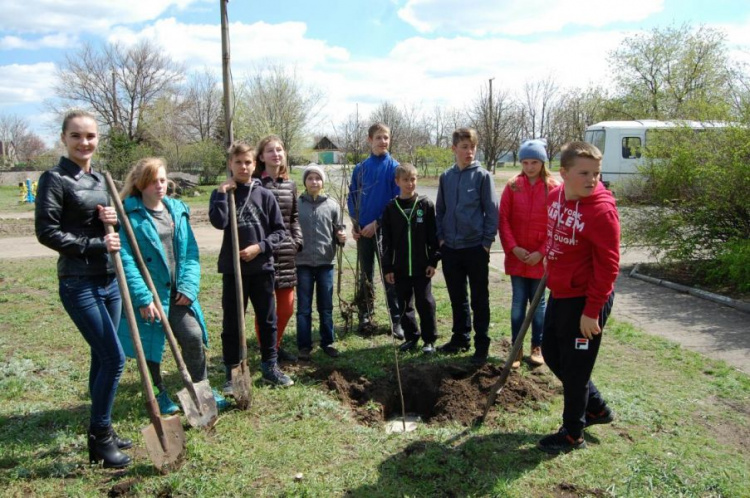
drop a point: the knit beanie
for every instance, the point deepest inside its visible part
(313, 168)
(533, 149)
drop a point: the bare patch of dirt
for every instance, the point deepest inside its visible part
(437, 393)
(12, 227)
(568, 490)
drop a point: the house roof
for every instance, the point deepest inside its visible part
(325, 144)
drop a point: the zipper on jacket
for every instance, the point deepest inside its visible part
(408, 228)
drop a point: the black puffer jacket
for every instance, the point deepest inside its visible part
(285, 192)
(67, 220)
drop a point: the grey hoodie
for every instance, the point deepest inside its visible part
(318, 219)
(466, 207)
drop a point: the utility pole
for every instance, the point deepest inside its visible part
(492, 131)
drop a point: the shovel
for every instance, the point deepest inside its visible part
(164, 437)
(240, 373)
(517, 345)
(197, 399)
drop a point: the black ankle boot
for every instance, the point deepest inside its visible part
(122, 442)
(103, 447)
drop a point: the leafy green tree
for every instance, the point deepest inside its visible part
(673, 73)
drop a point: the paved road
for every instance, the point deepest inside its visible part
(708, 328)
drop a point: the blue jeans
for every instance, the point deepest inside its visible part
(94, 304)
(320, 280)
(366, 252)
(523, 292)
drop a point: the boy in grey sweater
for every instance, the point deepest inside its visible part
(466, 209)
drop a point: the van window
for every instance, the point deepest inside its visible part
(596, 138)
(631, 147)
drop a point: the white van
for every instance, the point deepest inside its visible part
(622, 143)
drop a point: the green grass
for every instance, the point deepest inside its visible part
(10, 200)
(681, 429)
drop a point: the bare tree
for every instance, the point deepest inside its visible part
(275, 100)
(391, 115)
(491, 117)
(18, 143)
(539, 98)
(118, 83)
(203, 108)
(351, 137)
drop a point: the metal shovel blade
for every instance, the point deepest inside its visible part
(241, 385)
(169, 457)
(201, 412)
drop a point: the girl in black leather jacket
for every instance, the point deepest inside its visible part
(72, 209)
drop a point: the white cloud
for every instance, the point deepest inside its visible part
(200, 44)
(58, 40)
(25, 83)
(74, 16)
(521, 17)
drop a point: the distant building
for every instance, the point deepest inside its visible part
(327, 152)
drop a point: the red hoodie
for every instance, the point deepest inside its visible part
(583, 247)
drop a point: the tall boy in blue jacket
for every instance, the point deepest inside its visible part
(467, 220)
(371, 189)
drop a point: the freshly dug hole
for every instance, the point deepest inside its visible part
(437, 393)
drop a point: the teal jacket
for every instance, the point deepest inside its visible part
(187, 273)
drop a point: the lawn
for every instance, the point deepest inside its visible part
(682, 426)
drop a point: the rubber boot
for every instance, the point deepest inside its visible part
(103, 448)
(166, 405)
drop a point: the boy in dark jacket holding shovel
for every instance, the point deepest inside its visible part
(410, 256)
(260, 228)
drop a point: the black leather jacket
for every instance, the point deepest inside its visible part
(67, 220)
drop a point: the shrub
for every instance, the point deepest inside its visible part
(695, 186)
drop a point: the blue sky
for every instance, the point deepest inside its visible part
(421, 53)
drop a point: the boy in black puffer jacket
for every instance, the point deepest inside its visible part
(410, 256)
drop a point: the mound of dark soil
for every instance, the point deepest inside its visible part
(437, 393)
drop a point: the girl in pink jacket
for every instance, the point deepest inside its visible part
(523, 234)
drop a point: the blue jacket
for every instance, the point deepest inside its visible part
(187, 273)
(466, 207)
(372, 187)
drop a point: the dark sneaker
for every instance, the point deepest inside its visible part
(228, 389)
(272, 375)
(284, 355)
(331, 351)
(478, 358)
(408, 346)
(398, 332)
(560, 442)
(428, 348)
(452, 347)
(304, 354)
(604, 416)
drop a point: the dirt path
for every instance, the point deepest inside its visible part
(702, 326)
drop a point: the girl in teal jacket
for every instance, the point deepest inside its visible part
(170, 252)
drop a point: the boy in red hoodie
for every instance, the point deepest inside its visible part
(583, 260)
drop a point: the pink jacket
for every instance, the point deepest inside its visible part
(523, 222)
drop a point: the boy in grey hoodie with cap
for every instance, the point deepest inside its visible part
(466, 209)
